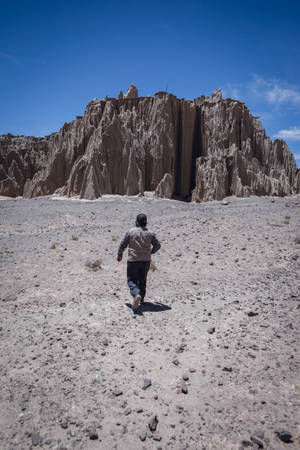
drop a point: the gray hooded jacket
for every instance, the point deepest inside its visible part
(141, 244)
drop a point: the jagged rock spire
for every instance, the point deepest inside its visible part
(132, 92)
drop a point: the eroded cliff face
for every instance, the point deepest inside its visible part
(203, 150)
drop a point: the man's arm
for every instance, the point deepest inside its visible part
(155, 243)
(122, 246)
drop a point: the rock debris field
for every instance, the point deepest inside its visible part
(210, 361)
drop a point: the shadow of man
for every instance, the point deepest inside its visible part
(150, 307)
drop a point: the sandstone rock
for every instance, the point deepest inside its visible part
(205, 149)
(143, 434)
(153, 422)
(284, 435)
(211, 330)
(147, 383)
(165, 187)
(216, 96)
(183, 387)
(132, 92)
(93, 435)
(211, 179)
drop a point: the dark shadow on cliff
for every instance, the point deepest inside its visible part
(150, 307)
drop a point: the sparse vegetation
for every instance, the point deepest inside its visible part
(53, 246)
(93, 266)
(114, 238)
(75, 238)
(153, 266)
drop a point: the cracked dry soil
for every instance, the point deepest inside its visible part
(211, 361)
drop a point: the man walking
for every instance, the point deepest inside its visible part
(141, 244)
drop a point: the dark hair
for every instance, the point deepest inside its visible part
(141, 220)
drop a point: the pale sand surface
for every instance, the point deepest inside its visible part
(69, 341)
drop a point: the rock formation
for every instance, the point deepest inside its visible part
(165, 187)
(205, 149)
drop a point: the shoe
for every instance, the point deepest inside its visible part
(136, 302)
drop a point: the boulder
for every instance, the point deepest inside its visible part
(165, 187)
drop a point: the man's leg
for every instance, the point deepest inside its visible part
(133, 278)
(143, 272)
(133, 283)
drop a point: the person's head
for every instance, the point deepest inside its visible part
(141, 220)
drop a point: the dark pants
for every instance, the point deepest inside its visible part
(137, 277)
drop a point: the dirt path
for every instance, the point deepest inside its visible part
(221, 323)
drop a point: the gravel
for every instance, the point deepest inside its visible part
(72, 354)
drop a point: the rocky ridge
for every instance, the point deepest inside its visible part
(205, 149)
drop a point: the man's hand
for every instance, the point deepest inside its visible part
(119, 258)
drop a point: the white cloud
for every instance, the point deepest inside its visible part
(297, 156)
(9, 57)
(232, 91)
(293, 134)
(263, 115)
(275, 91)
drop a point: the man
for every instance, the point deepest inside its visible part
(141, 244)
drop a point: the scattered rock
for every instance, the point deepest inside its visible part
(143, 434)
(93, 435)
(184, 387)
(117, 392)
(227, 369)
(153, 421)
(156, 437)
(284, 435)
(246, 443)
(10, 298)
(35, 439)
(147, 383)
(127, 411)
(211, 330)
(180, 348)
(257, 439)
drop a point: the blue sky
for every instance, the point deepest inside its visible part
(56, 56)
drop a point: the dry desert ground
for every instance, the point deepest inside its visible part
(210, 361)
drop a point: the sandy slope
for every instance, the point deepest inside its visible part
(74, 359)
